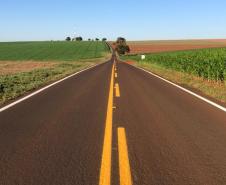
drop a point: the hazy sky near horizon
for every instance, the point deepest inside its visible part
(136, 20)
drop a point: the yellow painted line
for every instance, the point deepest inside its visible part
(117, 90)
(116, 75)
(124, 166)
(105, 170)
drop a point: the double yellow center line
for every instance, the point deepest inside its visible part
(124, 167)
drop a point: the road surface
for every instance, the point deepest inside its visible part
(113, 124)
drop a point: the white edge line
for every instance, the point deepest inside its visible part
(44, 88)
(186, 90)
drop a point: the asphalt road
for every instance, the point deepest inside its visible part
(113, 124)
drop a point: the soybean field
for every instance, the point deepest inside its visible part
(52, 51)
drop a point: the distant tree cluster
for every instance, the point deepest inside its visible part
(78, 38)
(103, 39)
(74, 39)
(81, 39)
(121, 46)
(68, 39)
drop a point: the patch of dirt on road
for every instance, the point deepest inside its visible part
(130, 62)
(211, 90)
(7, 68)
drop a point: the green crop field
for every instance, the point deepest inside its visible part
(203, 69)
(26, 66)
(51, 51)
(206, 63)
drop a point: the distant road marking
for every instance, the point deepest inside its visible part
(44, 88)
(116, 75)
(117, 90)
(105, 170)
(186, 90)
(124, 166)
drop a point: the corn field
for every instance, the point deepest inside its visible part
(206, 63)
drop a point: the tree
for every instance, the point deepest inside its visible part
(127, 49)
(104, 39)
(68, 39)
(97, 39)
(122, 49)
(79, 38)
(121, 46)
(89, 39)
(121, 41)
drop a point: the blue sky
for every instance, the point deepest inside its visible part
(133, 19)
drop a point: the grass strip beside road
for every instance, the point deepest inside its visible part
(209, 88)
(17, 84)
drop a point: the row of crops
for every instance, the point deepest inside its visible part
(207, 63)
(52, 51)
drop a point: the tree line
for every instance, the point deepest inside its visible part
(81, 39)
(120, 46)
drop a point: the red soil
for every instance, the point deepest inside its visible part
(130, 62)
(162, 46)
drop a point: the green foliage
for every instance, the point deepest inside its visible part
(121, 41)
(68, 39)
(51, 51)
(14, 85)
(78, 38)
(206, 63)
(121, 47)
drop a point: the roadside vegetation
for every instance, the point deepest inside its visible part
(121, 46)
(27, 66)
(203, 69)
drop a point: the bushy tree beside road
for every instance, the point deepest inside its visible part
(121, 46)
